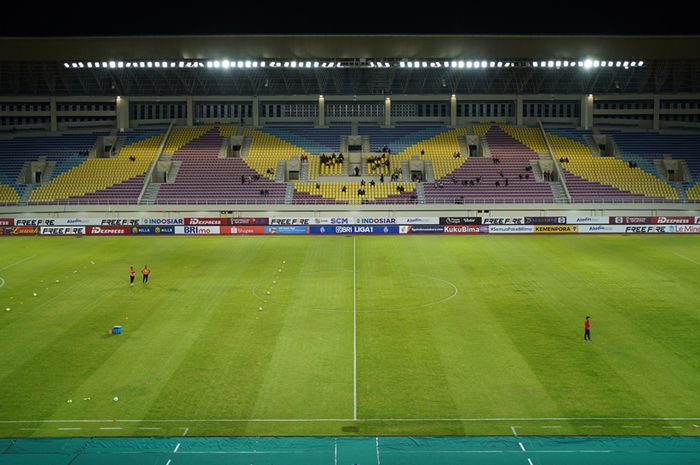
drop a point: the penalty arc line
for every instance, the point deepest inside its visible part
(17, 263)
(686, 258)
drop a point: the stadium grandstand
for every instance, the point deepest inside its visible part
(606, 119)
(530, 183)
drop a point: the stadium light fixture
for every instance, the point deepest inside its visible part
(226, 64)
(535, 64)
(217, 64)
(128, 64)
(596, 63)
(460, 64)
(402, 64)
(557, 63)
(120, 64)
(315, 64)
(74, 65)
(633, 64)
(483, 64)
(492, 64)
(640, 63)
(66, 65)
(112, 64)
(157, 63)
(477, 64)
(248, 64)
(470, 64)
(293, 64)
(500, 64)
(588, 64)
(416, 64)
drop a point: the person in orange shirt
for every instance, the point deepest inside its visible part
(132, 275)
(146, 271)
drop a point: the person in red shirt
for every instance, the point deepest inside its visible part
(146, 271)
(132, 275)
(587, 329)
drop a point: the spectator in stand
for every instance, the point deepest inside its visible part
(357, 171)
(506, 182)
(381, 178)
(318, 186)
(372, 183)
(498, 184)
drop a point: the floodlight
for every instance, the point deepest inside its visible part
(217, 64)
(402, 64)
(557, 63)
(112, 64)
(470, 64)
(120, 64)
(535, 64)
(460, 64)
(640, 63)
(74, 65)
(500, 64)
(588, 64)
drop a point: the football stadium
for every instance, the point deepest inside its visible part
(350, 249)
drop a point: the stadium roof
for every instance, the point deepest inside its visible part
(360, 65)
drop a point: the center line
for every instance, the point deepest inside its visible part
(354, 330)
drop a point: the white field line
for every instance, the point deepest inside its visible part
(177, 447)
(677, 254)
(2, 282)
(69, 429)
(147, 428)
(335, 451)
(529, 461)
(339, 420)
(354, 330)
(515, 433)
(552, 427)
(112, 428)
(592, 426)
(522, 447)
(169, 460)
(185, 432)
(376, 441)
(17, 263)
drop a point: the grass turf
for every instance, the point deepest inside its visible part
(455, 335)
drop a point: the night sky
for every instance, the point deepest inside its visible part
(298, 17)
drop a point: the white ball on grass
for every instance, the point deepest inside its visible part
(280, 270)
(115, 398)
(259, 308)
(274, 282)
(35, 294)
(284, 261)
(268, 292)
(7, 309)
(58, 281)
(70, 401)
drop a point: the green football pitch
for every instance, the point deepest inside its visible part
(341, 335)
